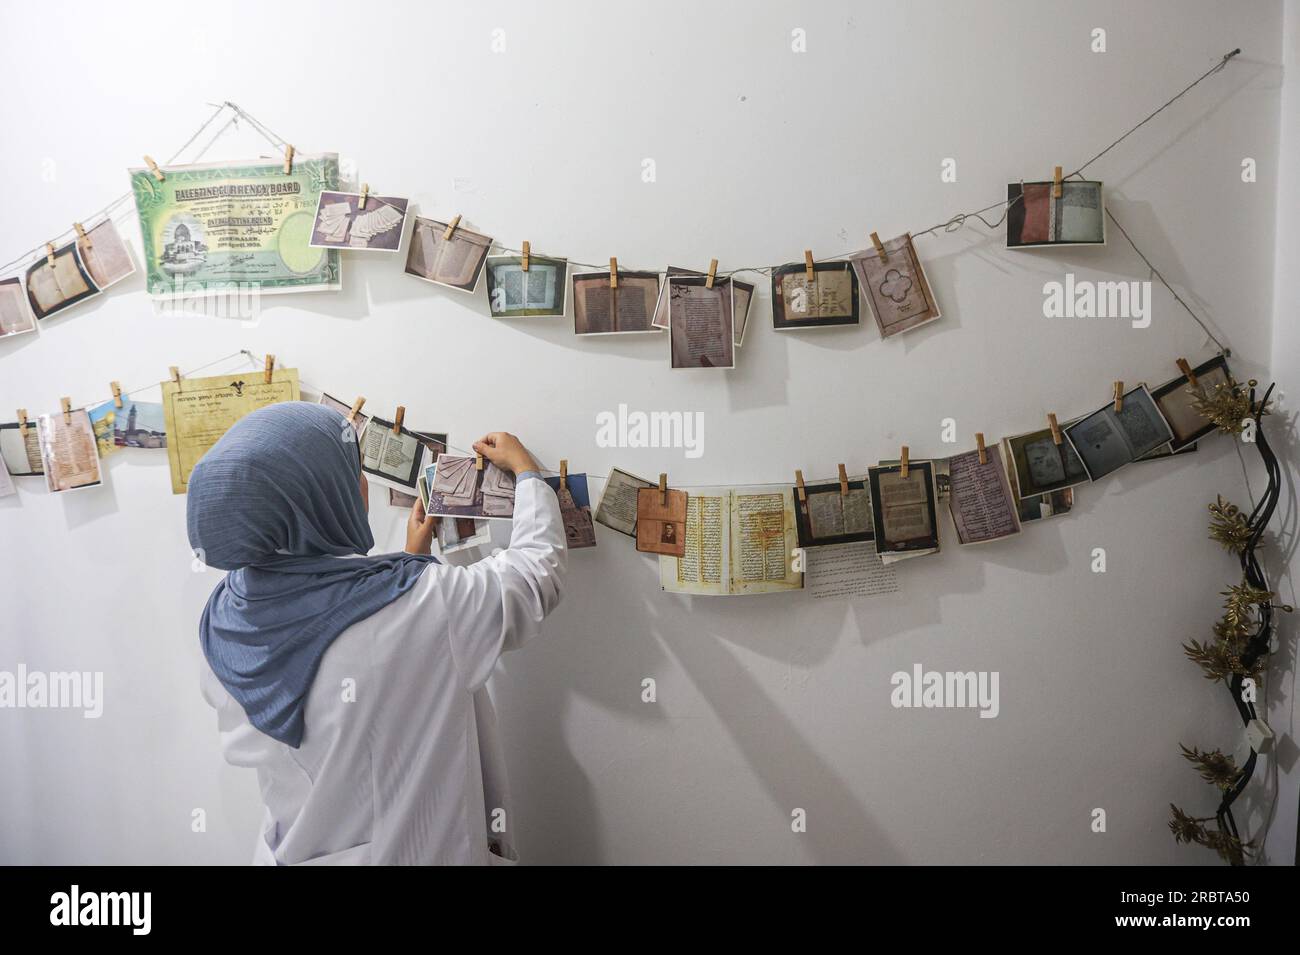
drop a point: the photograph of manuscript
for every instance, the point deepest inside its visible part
(69, 454)
(738, 541)
(198, 411)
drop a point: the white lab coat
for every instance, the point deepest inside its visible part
(400, 762)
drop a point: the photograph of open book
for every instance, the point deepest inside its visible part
(575, 509)
(699, 323)
(617, 508)
(82, 268)
(832, 514)
(980, 498)
(903, 510)
(456, 262)
(895, 287)
(458, 488)
(515, 293)
(1041, 465)
(1107, 439)
(1176, 401)
(342, 222)
(1036, 218)
(394, 458)
(742, 296)
(599, 309)
(16, 316)
(738, 540)
(829, 299)
(69, 455)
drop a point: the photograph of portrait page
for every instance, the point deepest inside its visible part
(617, 508)
(903, 510)
(661, 521)
(830, 514)
(599, 309)
(515, 293)
(742, 295)
(895, 286)
(68, 453)
(738, 541)
(1176, 401)
(980, 499)
(575, 509)
(1036, 218)
(393, 458)
(20, 448)
(1041, 465)
(699, 323)
(1107, 439)
(343, 222)
(458, 488)
(829, 299)
(456, 262)
(16, 316)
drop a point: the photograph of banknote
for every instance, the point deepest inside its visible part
(456, 262)
(458, 488)
(69, 456)
(1176, 401)
(1042, 466)
(514, 293)
(833, 514)
(342, 222)
(217, 228)
(575, 509)
(699, 323)
(599, 309)
(394, 458)
(53, 286)
(903, 510)
(105, 255)
(16, 316)
(617, 508)
(1107, 439)
(895, 286)
(1036, 218)
(20, 448)
(829, 299)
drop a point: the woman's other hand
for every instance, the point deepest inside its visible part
(506, 451)
(420, 529)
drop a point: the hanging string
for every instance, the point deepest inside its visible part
(107, 211)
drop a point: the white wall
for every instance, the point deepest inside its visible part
(767, 703)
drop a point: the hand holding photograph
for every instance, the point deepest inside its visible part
(343, 223)
(456, 262)
(896, 287)
(1036, 218)
(514, 293)
(457, 488)
(829, 299)
(1107, 439)
(599, 309)
(661, 521)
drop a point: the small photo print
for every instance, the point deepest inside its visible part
(515, 293)
(903, 509)
(1036, 218)
(53, 287)
(458, 488)
(393, 458)
(137, 424)
(359, 420)
(833, 514)
(1042, 466)
(68, 451)
(1107, 439)
(575, 509)
(456, 262)
(661, 521)
(742, 296)
(105, 255)
(896, 287)
(829, 299)
(700, 323)
(342, 222)
(21, 448)
(16, 316)
(599, 309)
(1176, 401)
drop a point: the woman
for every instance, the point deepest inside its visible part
(353, 684)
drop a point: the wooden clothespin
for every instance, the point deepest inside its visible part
(67, 410)
(478, 461)
(528, 249)
(81, 235)
(902, 463)
(398, 419)
(22, 421)
(1056, 183)
(268, 368)
(356, 407)
(1056, 429)
(564, 474)
(809, 271)
(844, 482)
(713, 273)
(1186, 369)
(451, 227)
(175, 373)
(153, 168)
(880, 247)
(798, 483)
(1119, 397)
(613, 271)
(117, 393)
(663, 488)
(49, 254)
(979, 443)
(365, 192)
(288, 158)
